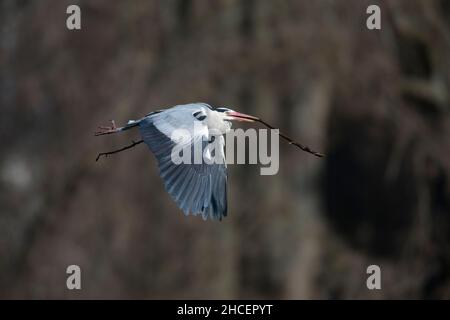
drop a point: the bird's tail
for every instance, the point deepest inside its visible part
(134, 123)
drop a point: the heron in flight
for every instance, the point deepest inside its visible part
(196, 188)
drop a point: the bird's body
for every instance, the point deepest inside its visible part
(197, 187)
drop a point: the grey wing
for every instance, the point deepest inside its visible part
(196, 188)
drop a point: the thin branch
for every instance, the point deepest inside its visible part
(297, 144)
(106, 154)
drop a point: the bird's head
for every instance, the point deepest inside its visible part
(219, 119)
(231, 115)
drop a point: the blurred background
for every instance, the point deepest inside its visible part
(376, 102)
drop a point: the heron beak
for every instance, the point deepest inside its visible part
(237, 116)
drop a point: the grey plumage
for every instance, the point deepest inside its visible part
(196, 188)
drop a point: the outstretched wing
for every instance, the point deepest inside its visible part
(196, 188)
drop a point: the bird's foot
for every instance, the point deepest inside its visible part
(106, 130)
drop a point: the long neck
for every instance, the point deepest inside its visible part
(217, 124)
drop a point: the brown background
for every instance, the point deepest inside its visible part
(376, 102)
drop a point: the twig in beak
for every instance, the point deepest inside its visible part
(285, 137)
(297, 144)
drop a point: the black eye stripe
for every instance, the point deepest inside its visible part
(199, 115)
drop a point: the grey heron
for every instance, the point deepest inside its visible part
(196, 188)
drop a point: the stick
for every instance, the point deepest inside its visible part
(297, 144)
(106, 154)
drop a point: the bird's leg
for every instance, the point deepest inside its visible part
(114, 129)
(107, 130)
(119, 150)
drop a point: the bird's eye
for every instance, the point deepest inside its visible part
(199, 115)
(222, 109)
